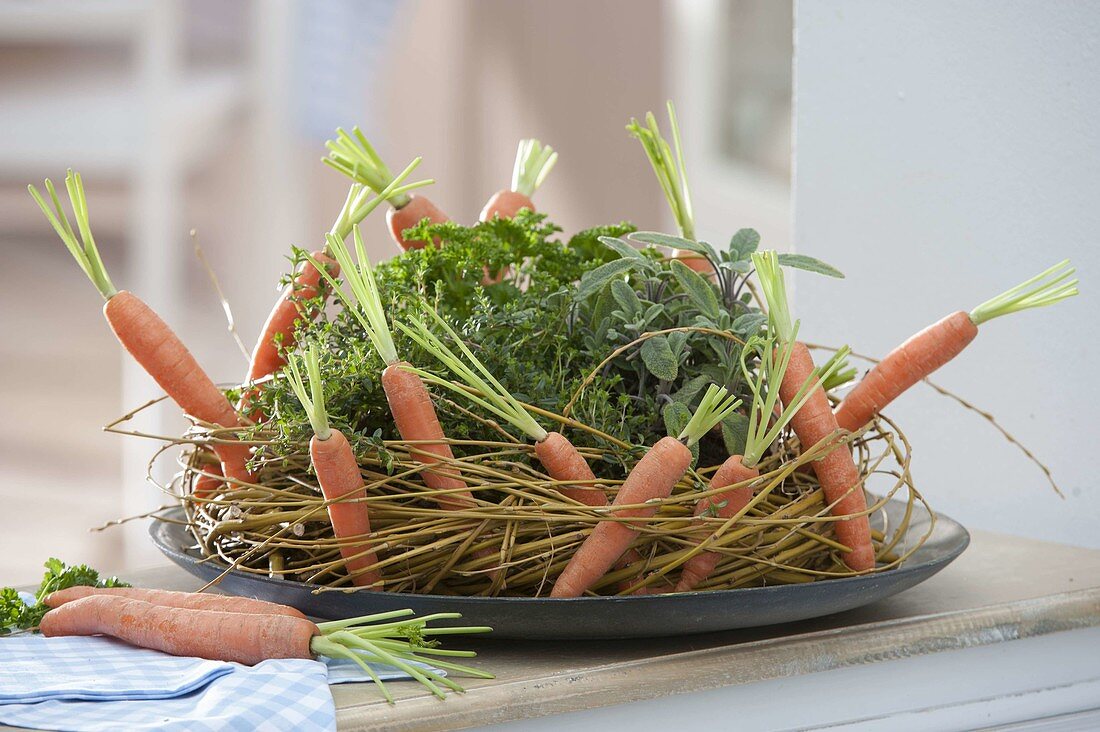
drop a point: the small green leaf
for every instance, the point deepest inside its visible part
(621, 247)
(698, 289)
(626, 298)
(743, 243)
(677, 341)
(594, 280)
(659, 359)
(735, 432)
(748, 324)
(675, 242)
(676, 416)
(687, 393)
(810, 264)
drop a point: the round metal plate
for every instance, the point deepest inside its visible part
(601, 617)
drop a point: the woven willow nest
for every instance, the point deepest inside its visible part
(523, 531)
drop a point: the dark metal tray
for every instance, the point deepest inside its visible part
(602, 617)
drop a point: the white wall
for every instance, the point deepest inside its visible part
(944, 152)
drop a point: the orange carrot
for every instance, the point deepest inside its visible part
(533, 163)
(278, 330)
(416, 420)
(277, 335)
(223, 636)
(251, 638)
(209, 482)
(836, 472)
(923, 353)
(168, 598)
(723, 505)
(355, 157)
(564, 463)
(558, 455)
(652, 478)
(408, 398)
(766, 423)
(338, 474)
(144, 335)
(408, 215)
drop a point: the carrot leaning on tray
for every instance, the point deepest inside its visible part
(836, 472)
(355, 157)
(558, 455)
(766, 423)
(144, 335)
(169, 598)
(940, 342)
(652, 478)
(277, 335)
(337, 473)
(410, 403)
(668, 164)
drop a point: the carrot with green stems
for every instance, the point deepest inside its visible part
(562, 460)
(765, 426)
(251, 638)
(169, 598)
(668, 164)
(410, 403)
(940, 342)
(533, 163)
(558, 455)
(142, 332)
(651, 479)
(355, 157)
(337, 473)
(814, 421)
(277, 335)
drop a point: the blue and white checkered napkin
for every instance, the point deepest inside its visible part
(103, 684)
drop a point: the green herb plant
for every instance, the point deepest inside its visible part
(16, 615)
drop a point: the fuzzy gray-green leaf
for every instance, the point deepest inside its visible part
(743, 243)
(810, 264)
(659, 359)
(735, 432)
(698, 289)
(594, 280)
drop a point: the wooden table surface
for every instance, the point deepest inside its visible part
(1003, 588)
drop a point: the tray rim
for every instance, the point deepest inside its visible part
(180, 557)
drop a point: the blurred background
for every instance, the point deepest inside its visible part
(939, 154)
(211, 116)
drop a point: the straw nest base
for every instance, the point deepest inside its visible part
(523, 531)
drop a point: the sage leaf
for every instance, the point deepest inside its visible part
(735, 432)
(743, 243)
(594, 280)
(659, 359)
(698, 289)
(810, 264)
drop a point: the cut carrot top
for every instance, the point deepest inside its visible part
(84, 251)
(357, 206)
(716, 405)
(364, 302)
(668, 164)
(313, 398)
(355, 157)
(770, 275)
(1045, 288)
(533, 163)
